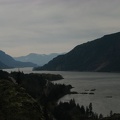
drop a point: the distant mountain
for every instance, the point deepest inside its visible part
(39, 59)
(6, 61)
(102, 54)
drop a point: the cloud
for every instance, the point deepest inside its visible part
(54, 25)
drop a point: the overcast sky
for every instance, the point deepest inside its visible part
(48, 26)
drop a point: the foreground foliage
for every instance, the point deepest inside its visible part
(33, 97)
(16, 104)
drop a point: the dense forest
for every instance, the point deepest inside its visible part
(35, 97)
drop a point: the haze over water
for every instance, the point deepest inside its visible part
(106, 95)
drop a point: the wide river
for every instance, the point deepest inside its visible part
(105, 86)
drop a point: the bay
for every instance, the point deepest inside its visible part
(105, 88)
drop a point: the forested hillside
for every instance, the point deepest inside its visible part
(102, 54)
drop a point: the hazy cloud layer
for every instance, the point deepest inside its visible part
(46, 26)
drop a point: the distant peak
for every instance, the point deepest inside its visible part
(32, 54)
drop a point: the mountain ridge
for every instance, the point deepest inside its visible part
(6, 61)
(101, 54)
(39, 59)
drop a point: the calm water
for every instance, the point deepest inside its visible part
(106, 97)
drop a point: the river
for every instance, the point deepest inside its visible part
(104, 86)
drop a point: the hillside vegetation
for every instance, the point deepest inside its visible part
(16, 104)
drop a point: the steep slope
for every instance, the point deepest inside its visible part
(10, 62)
(3, 66)
(16, 104)
(39, 59)
(102, 54)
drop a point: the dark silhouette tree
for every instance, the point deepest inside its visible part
(90, 109)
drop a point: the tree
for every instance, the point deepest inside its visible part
(19, 76)
(90, 109)
(111, 113)
(87, 111)
(82, 110)
(100, 116)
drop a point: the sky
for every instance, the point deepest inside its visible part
(54, 26)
